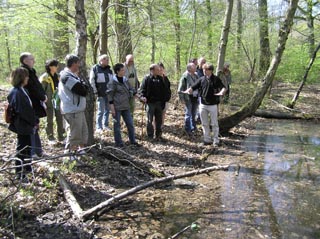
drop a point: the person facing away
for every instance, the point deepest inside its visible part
(210, 89)
(227, 74)
(100, 75)
(119, 94)
(190, 101)
(131, 75)
(50, 81)
(155, 94)
(201, 62)
(24, 119)
(38, 99)
(167, 83)
(72, 93)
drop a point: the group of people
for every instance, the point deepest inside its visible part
(63, 98)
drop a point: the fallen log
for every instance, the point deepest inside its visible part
(277, 115)
(101, 208)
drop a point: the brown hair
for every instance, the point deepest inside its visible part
(208, 67)
(18, 76)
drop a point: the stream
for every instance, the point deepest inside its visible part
(276, 193)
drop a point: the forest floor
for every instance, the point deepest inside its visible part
(39, 210)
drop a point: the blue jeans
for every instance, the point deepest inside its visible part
(126, 116)
(103, 112)
(191, 108)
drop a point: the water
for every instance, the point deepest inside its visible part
(275, 195)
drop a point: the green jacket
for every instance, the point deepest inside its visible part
(186, 81)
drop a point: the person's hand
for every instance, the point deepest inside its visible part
(46, 99)
(219, 94)
(112, 110)
(143, 99)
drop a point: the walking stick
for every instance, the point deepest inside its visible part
(142, 117)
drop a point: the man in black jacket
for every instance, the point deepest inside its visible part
(154, 92)
(210, 89)
(38, 99)
(100, 75)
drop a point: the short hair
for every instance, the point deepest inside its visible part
(117, 67)
(52, 62)
(24, 55)
(18, 75)
(104, 56)
(208, 67)
(152, 66)
(161, 65)
(190, 65)
(71, 59)
(193, 60)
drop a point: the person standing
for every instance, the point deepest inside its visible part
(72, 92)
(100, 75)
(131, 75)
(50, 81)
(155, 94)
(167, 83)
(210, 88)
(201, 62)
(38, 99)
(24, 119)
(190, 101)
(227, 74)
(119, 94)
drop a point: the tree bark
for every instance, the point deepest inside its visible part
(177, 28)
(239, 29)
(123, 31)
(103, 27)
(296, 96)
(209, 30)
(108, 203)
(253, 104)
(224, 35)
(153, 35)
(81, 51)
(265, 52)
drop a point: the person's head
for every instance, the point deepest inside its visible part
(51, 66)
(191, 68)
(194, 61)
(226, 66)
(129, 60)
(119, 69)
(19, 77)
(201, 62)
(208, 69)
(161, 68)
(26, 58)
(72, 62)
(103, 60)
(154, 69)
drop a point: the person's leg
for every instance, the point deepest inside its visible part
(126, 115)
(158, 118)
(106, 113)
(214, 123)
(194, 110)
(59, 121)
(100, 112)
(49, 126)
(150, 114)
(204, 115)
(23, 152)
(187, 117)
(117, 129)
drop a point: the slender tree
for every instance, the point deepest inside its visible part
(224, 35)
(209, 30)
(123, 31)
(177, 28)
(253, 104)
(265, 52)
(103, 27)
(239, 29)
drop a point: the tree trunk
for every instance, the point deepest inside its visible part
(103, 27)
(123, 30)
(191, 48)
(293, 102)
(265, 52)
(224, 35)
(81, 51)
(209, 28)
(253, 104)
(239, 29)
(153, 35)
(177, 28)
(61, 29)
(310, 24)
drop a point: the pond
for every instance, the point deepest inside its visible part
(275, 194)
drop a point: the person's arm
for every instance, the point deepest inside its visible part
(110, 94)
(92, 80)
(143, 90)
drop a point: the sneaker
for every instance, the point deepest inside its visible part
(204, 143)
(215, 144)
(99, 131)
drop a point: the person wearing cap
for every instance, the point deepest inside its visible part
(100, 75)
(210, 89)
